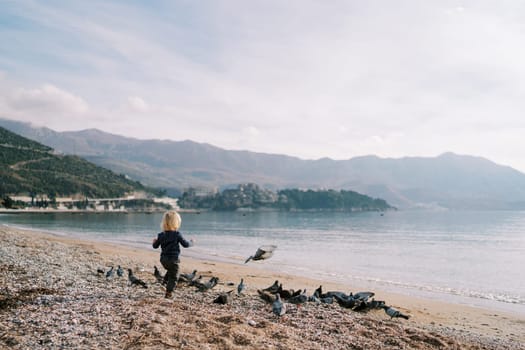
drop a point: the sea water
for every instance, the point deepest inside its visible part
(470, 257)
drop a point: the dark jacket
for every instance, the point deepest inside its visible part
(169, 242)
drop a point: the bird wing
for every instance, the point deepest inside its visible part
(263, 252)
(363, 295)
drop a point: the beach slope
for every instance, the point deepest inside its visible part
(53, 297)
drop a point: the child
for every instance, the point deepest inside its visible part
(169, 240)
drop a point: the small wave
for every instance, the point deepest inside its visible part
(492, 296)
(33, 229)
(504, 298)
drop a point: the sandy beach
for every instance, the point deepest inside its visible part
(52, 297)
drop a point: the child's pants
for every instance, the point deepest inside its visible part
(172, 274)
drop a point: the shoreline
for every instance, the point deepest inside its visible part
(190, 210)
(426, 314)
(74, 211)
(407, 291)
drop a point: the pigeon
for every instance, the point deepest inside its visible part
(390, 311)
(363, 295)
(120, 272)
(109, 274)
(158, 275)
(360, 305)
(285, 293)
(187, 277)
(318, 292)
(223, 298)
(262, 253)
(347, 302)
(334, 293)
(278, 307)
(376, 304)
(241, 287)
(299, 299)
(274, 288)
(269, 298)
(314, 299)
(208, 285)
(327, 300)
(196, 281)
(134, 280)
(298, 292)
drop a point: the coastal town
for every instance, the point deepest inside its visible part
(138, 202)
(242, 197)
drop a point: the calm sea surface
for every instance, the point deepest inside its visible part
(469, 257)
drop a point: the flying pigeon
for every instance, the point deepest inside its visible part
(262, 253)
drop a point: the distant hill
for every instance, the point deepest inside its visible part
(30, 167)
(448, 180)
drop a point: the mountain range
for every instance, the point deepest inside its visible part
(446, 181)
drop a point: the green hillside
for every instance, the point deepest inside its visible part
(29, 167)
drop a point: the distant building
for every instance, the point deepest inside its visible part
(201, 191)
(172, 202)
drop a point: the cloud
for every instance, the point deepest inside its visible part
(44, 105)
(47, 99)
(315, 78)
(137, 104)
(251, 131)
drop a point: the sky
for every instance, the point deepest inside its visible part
(311, 79)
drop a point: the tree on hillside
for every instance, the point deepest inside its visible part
(7, 202)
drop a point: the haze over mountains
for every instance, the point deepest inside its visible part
(448, 181)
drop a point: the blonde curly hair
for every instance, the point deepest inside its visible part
(171, 221)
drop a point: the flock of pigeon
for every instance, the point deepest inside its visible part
(133, 280)
(275, 294)
(362, 301)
